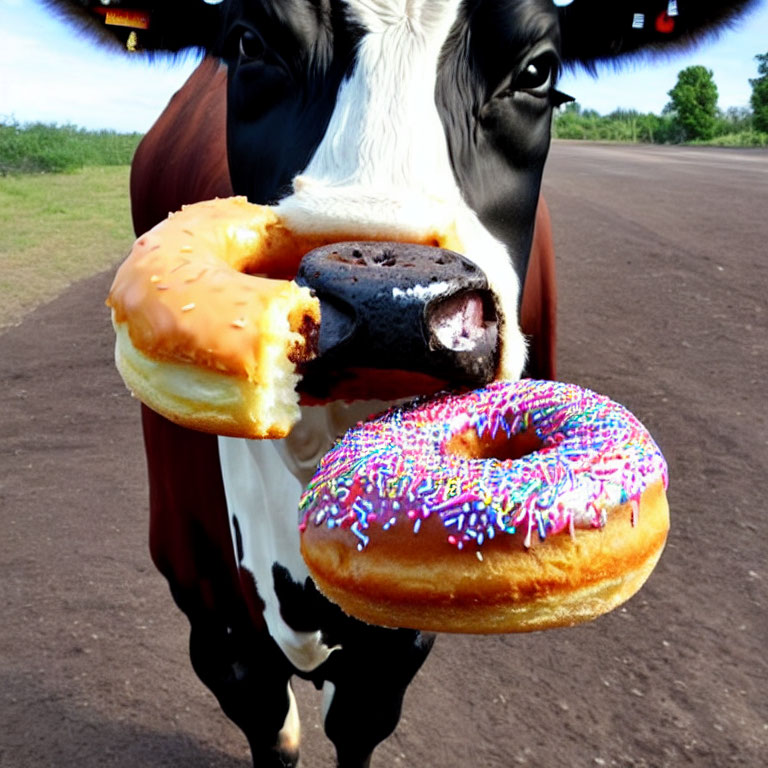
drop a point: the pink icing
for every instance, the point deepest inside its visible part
(395, 469)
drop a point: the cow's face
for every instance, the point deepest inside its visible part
(397, 114)
(395, 119)
(411, 120)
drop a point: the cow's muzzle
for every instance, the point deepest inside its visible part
(399, 307)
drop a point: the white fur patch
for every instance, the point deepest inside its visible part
(263, 495)
(289, 737)
(263, 480)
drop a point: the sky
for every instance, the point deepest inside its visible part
(51, 74)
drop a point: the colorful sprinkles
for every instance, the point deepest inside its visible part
(396, 470)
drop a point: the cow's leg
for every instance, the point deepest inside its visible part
(364, 690)
(250, 677)
(191, 544)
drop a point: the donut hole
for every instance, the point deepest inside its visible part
(503, 447)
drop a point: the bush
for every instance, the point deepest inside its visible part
(734, 120)
(624, 125)
(741, 139)
(41, 148)
(733, 128)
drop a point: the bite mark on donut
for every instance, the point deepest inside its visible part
(304, 349)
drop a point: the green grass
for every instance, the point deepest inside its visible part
(58, 228)
(40, 148)
(740, 139)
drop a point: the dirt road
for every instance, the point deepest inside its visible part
(663, 283)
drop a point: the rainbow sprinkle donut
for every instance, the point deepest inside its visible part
(515, 507)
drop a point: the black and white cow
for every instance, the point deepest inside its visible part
(381, 119)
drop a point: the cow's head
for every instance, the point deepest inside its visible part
(426, 121)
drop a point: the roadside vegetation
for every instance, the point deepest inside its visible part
(690, 117)
(733, 128)
(64, 210)
(56, 228)
(40, 148)
(64, 203)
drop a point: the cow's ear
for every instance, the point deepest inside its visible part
(148, 25)
(600, 30)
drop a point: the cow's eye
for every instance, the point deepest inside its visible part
(538, 76)
(251, 45)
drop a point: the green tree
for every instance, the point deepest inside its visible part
(759, 98)
(693, 102)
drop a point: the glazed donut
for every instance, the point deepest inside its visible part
(201, 337)
(517, 507)
(213, 331)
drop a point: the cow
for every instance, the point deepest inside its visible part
(354, 114)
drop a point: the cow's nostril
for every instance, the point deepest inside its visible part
(464, 322)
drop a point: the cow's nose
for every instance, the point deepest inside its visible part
(399, 306)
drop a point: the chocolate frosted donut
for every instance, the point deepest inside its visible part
(512, 508)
